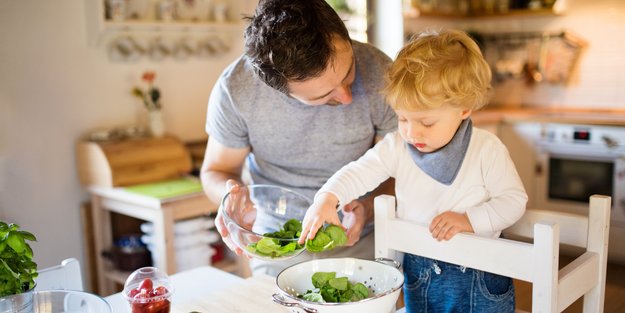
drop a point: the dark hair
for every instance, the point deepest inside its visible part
(291, 40)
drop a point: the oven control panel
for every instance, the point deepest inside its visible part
(610, 137)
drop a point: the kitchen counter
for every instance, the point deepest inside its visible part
(494, 115)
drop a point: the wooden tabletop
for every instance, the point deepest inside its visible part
(250, 295)
(586, 116)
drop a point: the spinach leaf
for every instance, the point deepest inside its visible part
(329, 288)
(327, 238)
(272, 246)
(281, 243)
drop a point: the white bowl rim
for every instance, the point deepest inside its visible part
(375, 296)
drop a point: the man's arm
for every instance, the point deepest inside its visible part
(220, 164)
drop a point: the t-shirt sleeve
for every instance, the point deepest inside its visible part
(223, 121)
(385, 119)
(383, 116)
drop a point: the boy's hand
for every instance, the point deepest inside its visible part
(448, 224)
(323, 210)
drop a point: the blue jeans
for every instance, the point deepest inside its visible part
(439, 287)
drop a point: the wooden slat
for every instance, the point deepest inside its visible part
(573, 227)
(494, 255)
(545, 257)
(577, 278)
(598, 235)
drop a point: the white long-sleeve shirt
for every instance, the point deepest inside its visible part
(487, 186)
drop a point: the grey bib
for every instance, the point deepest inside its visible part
(444, 164)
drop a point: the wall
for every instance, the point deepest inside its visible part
(55, 87)
(601, 72)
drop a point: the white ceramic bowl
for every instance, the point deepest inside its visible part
(383, 280)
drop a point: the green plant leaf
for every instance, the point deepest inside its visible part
(27, 236)
(16, 242)
(17, 270)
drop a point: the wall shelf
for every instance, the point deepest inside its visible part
(415, 11)
(101, 30)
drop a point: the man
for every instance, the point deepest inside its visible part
(302, 101)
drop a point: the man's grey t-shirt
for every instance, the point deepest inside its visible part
(295, 145)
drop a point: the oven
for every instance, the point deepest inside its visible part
(577, 161)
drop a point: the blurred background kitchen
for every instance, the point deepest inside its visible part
(68, 68)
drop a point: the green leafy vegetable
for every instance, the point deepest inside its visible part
(329, 288)
(327, 238)
(17, 270)
(284, 242)
(281, 243)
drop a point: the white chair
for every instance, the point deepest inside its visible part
(67, 276)
(553, 290)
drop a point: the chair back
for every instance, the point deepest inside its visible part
(67, 276)
(536, 262)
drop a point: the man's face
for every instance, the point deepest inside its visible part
(334, 85)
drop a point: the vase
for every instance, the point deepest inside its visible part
(156, 125)
(18, 303)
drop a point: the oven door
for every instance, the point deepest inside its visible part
(566, 178)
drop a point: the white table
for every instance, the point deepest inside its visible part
(208, 289)
(187, 286)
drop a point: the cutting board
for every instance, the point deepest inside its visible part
(251, 295)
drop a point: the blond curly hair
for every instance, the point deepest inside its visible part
(436, 68)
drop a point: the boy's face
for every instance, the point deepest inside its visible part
(430, 130)
(334, 85)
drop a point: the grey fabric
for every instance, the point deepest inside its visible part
(295, 145)
(443, 164)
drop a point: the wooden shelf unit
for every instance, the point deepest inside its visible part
(162, 213)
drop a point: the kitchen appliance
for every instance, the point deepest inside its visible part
(383, 280)
(576, 161)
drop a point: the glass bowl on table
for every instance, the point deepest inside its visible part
(265, 221)
(148, 290)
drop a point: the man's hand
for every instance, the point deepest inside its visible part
(354, 220)
(238, 207)
(448, 224)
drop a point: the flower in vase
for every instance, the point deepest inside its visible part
(150, 96)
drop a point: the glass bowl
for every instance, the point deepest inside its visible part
(256, 218)
(148, 290)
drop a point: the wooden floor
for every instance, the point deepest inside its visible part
(614, 292)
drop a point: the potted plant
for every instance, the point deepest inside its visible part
(17, 269)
